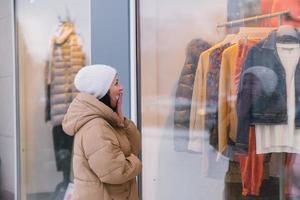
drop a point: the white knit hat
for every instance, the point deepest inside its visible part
(95, 79)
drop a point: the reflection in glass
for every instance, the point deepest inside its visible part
(225, 124)
(52, 48)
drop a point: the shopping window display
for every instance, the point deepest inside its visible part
(54, 44)
(221, 118)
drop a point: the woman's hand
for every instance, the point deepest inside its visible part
(119, 107)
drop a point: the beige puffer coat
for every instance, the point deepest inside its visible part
(105, 162)
(66, 60)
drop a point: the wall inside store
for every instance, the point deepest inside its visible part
(37, 23)
(7, 132)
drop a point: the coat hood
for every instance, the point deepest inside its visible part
(84, 108)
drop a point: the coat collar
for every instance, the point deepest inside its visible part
(270, 41)
(104, 111)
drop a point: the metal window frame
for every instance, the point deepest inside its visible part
(135, 71)
(135, 86)
(16, 90)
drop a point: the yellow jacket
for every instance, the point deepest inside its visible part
(227, 117)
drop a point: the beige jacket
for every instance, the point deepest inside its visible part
(105, 162)
(197, 114)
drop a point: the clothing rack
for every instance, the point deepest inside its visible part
(255, 18)
(281, 156)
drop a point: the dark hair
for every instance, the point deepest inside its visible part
(106, 100)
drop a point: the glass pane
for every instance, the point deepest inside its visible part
(220, 101)
(7, 106)
(54, 43)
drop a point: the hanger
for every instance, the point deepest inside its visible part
(254, 33)
(66, 19)
(254, 30)
(228, 38)
(65, 23)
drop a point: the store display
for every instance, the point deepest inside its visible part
(66, 59)
(268, 96)
(211, 100)
(197, 116)
(241, 98)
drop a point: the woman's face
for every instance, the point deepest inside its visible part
(114, 92)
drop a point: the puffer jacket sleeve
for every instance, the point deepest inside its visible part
(133, 135)
(105, 157)
(184, 91)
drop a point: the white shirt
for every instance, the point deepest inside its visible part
(282, 138)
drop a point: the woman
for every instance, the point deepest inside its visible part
(106, 144)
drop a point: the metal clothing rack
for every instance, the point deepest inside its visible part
(255, 18)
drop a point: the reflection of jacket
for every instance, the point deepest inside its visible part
(227, 119)
(105, 162)
(262, 96)
(212, 85)
(67, 59)
(184, 93)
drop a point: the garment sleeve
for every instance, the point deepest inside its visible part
(182, 107)
(105, 157)
(47, 93)
(47, 73)
(134, 136)
(197, 108)
(244, 104)
(223, 104)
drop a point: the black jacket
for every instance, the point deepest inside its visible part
(184, 93)
(262, 96)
